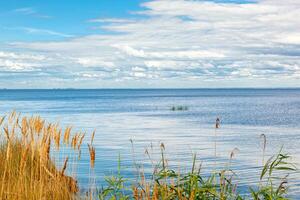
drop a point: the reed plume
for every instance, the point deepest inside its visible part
(67, 135)
(218, 121)
(264, 138)
(92, 138)
(2, 120)
(80, 141)
(92, 155)
(232, 154)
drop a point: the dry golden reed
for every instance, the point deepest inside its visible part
(64, 166)
(92, 138)
(27, 170)
(92, 155)
(67, 135)
(80, 141)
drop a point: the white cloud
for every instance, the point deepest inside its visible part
(180, 39)
(90, 75)
(110, 20)
(11, 61)
(138, 69)
(44, 32)
(94, 62)
(189, 54)
(30, 11)
(12, 55)
(139, 74)
(8, 65)
(131, 51)
(25, 10)
(288, 38)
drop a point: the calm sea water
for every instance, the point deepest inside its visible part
(145, 117)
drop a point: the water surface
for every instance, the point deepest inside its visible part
(145, 116)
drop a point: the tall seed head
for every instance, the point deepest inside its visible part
(92, 138)
(92, 155)
(2, 120)
(67, 135)
(80, 141)
(218, 121)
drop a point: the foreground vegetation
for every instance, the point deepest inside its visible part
(26, 170)
(167, 183)
(30, 152)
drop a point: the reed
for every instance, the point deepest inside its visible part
(27, 170)
(217, 126)
(92, 155)
(264, 138)
(67, 135)
(168, 183)
(31, 169)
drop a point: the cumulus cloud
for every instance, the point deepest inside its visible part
(12, 55)
(10, 61)
(186, 40)
(93, 62)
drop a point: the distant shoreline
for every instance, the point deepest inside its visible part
(245, 88)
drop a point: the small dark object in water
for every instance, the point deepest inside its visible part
(218, 121)
(179, 108)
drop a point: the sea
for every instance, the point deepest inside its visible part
(132, 124)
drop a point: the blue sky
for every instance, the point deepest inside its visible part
(66, 17)
(149, 44)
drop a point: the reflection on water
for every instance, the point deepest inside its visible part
(145, 117)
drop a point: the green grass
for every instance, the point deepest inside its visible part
(168, 183)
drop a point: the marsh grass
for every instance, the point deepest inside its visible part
(167, 183)
(274, 186)
(28, 169)
(39, 161)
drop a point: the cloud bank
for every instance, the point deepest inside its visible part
(171, 43)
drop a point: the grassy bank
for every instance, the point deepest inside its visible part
(29, 170)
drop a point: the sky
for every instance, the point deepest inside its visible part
(149, 43)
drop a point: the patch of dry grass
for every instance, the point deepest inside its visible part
(27, 170)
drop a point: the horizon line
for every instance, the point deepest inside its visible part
(163, 88)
